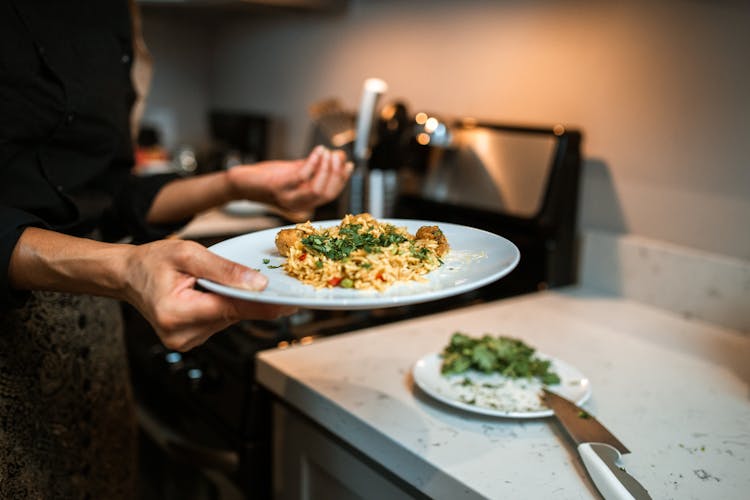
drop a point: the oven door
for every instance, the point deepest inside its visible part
(204, 423)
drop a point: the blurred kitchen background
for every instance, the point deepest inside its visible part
(656, 93)
(660, 88)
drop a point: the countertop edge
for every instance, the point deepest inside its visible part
(325, 412)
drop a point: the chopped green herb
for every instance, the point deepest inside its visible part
(584, 414)
(504, 355)
(351, 237)
(275, 267)
(266, 261)
(422, 253)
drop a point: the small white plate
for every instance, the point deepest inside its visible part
(497, 395)
(476, 258)
(243, 208)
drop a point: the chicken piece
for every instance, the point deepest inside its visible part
(434, 233)
(286, 239)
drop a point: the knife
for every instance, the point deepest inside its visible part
(600, 451)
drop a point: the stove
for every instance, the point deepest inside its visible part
(201, 413)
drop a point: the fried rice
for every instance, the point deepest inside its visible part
(361, 253)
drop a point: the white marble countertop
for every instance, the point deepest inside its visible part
(673, 390)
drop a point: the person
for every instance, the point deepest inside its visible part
(67, 199)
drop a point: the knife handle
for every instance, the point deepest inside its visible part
(610, 479)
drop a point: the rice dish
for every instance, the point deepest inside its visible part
(360, 253)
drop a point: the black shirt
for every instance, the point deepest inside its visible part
(65, 144)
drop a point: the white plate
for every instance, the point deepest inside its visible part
(476, 258)
(496, 395)
(246, 207)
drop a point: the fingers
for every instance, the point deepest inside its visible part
(328, 180)
(338, 180)
(327, 184)
(162, 280)
(202, 263)
(291, 174)
(206, 313)
(323, 175)
(312, 163)
(294, 185)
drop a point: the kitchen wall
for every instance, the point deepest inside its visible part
(660, 90)
(181, 46)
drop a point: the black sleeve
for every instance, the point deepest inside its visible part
(126, 217)
(130, 207)
(12, 224)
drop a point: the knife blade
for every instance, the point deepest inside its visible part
(599, 449)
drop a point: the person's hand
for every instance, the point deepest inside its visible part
(161, 278)
(296, 185)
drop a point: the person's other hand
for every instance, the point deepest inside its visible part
(161, 285)
(296, 185)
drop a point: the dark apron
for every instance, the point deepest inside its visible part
(67, 425)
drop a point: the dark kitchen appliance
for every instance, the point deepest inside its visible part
(203, 411)
(516, 181)
(236, 138)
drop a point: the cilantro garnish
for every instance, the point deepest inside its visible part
(421, 253)
(504, 355)
(351, 237)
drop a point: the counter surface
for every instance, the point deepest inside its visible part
(675, 391)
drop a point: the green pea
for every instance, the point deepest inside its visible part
(346, 283)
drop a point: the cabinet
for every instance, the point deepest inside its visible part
(311, 464)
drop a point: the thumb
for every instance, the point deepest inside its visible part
(206, 264)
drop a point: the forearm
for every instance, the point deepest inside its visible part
(157, 278)
(183, 198)
(293, 186)
(46, 260)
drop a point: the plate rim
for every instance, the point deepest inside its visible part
(489, 411)
(373, 300)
